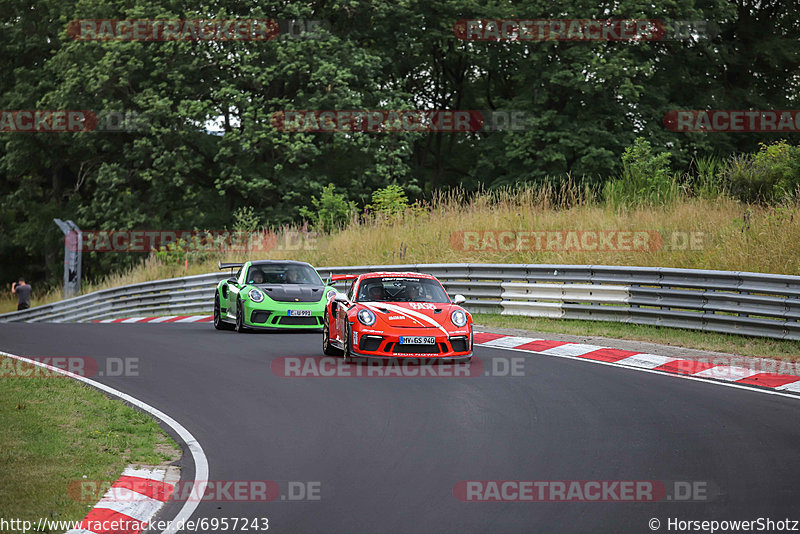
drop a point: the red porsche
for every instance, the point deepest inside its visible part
(396, 315)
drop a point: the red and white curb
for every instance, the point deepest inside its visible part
(131, 502)
(645, 361)
(163, 319)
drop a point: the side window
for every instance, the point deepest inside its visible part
(350, 291)
(239, 274)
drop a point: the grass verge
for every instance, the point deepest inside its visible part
(693, 339)
(56, 432)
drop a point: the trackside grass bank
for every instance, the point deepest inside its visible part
(58, 432)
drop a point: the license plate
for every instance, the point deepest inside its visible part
(299, 313)
(417, 340)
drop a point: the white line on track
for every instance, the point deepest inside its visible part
(662, 373)
(199, 457)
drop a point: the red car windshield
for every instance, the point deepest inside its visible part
(401, 289)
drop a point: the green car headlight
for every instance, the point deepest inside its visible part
(330, 294)
(256, 295)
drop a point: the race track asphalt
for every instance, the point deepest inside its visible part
(387, 452)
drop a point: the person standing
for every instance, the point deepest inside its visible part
(23, 293)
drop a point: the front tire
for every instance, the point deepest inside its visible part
(240, 327)
(327, 348)
(219, 324)
(347, 353)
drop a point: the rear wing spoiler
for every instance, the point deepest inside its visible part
(333, 278)
(337, 277)
(229, 265)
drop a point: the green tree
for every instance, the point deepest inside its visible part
(331, 210)
(389, 200)
(645, 177)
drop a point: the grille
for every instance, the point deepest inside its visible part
(419, 349)
(296, 321)
(370, 343)
(259, 316)
(460, 344)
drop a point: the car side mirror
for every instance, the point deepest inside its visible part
(233, 280)
(459, 299)
(341, 298)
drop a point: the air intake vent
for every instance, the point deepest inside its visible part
(259, 316)
(298, 321)
(370, 343)
(459, 344)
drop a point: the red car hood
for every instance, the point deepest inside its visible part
(411, 314)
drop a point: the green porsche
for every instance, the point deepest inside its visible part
(270, 294)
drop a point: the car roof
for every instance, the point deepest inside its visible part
(391, 274)
(272, 262)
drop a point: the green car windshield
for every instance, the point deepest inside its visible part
(282, 273)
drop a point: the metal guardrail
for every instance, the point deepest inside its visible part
(751, 304)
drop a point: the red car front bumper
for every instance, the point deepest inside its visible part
(394, 344)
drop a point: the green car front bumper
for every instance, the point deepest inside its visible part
(284, 315)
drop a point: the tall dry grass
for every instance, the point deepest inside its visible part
(735, 236)
(731, 235)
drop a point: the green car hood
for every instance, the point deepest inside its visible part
(292, 292)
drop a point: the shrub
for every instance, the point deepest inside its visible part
(331, 210)
(645, 179)
(389, 200)
(707, 182)
(770, 175)
(245, 219)
(196, 249)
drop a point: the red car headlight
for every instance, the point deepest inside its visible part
(459, 318)
(366, 317)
